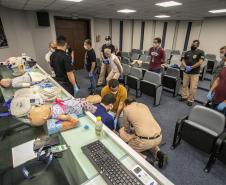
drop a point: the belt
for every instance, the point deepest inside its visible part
(149, 138)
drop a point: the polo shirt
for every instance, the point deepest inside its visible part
(90, 57)
(220, 91)
(61, 64)
(106, 118)
(193, 57)
(120, 96)
(157, 56)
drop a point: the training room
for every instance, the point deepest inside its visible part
(112, 92)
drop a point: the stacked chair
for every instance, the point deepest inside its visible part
(203, 70)
(134, 78)
(171, 80)
(126, 71)
(204, 129)
(211, 62)
(137, 51)
(152, 86)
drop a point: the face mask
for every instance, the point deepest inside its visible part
(52, 50)
(193, 48)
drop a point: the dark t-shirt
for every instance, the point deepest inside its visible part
(193, 57)
(107, 119)
(90, 57)
(61, 64)
(157, 56)
(220, 91)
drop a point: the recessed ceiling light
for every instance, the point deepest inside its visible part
(218, 11)
(76, 1)
(162, 16)
(126, 11)
(168, 4)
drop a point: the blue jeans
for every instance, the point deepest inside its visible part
(93, 82)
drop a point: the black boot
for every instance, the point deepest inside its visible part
(162, 159)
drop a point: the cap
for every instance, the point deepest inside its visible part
(98, 118)
(108, 37)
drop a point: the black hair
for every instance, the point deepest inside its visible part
(88, 41)
(61, 40)
(130, 100)
(113, 83)
(158, 40)
(108, 47)
(224, 47)
(108, 99)
(197, 42)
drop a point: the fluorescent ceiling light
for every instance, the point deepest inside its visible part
(218, 11)
(168, 4)
(162, 16)
(76, 1)
(126, 11)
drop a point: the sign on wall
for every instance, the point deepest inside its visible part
(3, 40)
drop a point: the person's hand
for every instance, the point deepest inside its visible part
(221, 106)
(188, 68)
(210, 95)
(90, 75)
(76, 89)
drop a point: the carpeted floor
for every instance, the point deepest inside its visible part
(185, 162)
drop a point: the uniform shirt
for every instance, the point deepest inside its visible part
(106, 118)
(120, 96)
(157, 56)
(61, 64)
(193, 57)
(220, 91)
(139, 116)
(90, 57)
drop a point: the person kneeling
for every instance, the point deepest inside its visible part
(106, 105)
(145, 133)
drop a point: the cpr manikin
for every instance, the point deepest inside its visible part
(26, 80)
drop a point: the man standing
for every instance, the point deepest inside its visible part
(192, 60)
(145, 133)
(61, 64)
(220, 66)
(103, 108)
(105, 67)
(157, 54)
(120, 94)
(90, 62)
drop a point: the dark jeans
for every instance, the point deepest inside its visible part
(93, 82)
(155, 70)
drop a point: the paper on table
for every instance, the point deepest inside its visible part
(23, 153)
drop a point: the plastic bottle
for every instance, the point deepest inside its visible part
(98, 126)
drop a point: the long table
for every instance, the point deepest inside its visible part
(76, 166)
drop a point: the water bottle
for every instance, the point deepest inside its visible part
(98, 126)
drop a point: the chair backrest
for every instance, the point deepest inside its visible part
(208, 118)
(125, 54)
(211, 57)
(145, 58)
(125, 60)
(173, 72)
(168, 54)
(175, 52)
(146, 52)
(135, 56)
(153, 77)
(145, 65)
(137, 51)
(136, 72)
(176, 59)
(126, 69)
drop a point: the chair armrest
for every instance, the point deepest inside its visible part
(156, 87)
(219, 142)
(180, 120)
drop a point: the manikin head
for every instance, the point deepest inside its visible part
(108, 102)
(52, 46)
(108, 40)
(6, 83)
(39, 115)
(157, 42)
(87, 44)
(61, 43)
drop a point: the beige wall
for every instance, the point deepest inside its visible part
(127, 35)
(148, 34)
(136, 34)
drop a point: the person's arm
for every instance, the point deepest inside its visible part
(71, 77)
(120, 109)
(73, 56)
(93, 67)
(163, 59)
(199, 63)
(117, 62)
(93, 59)
(215, 84)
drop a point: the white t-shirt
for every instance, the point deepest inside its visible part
(47, 56)
(112, 63)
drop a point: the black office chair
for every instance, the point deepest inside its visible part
(201, 129)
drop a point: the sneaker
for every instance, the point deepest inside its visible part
(182, 99)
(189, 103)
(162, 159)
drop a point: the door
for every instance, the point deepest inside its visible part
(75, 31)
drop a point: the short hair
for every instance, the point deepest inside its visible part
(130, 100)
(61, 40)
(158, 40)
(113, 83)
(196, 41)
(88, 41)
(224, 47)
(108, 47)
(108, 99)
